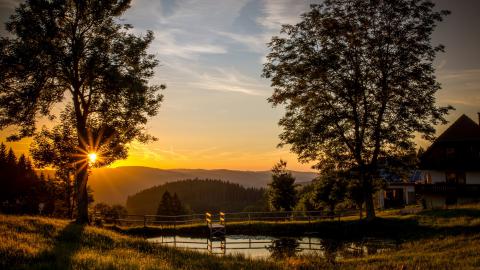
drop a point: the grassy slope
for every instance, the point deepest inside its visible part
(441, 239)
(42, 243)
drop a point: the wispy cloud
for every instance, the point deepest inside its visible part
(167, 45)
(229, 80)
(278, 12)
(460, 87)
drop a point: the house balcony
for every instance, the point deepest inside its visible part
(460, 190)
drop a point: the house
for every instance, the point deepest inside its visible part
(451, 166)
(396, 194)
(398, 191)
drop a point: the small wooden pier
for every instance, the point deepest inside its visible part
(217, 232)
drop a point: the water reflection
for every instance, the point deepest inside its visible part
(331, 248)
(283, 247)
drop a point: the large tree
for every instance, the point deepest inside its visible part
(75, 54)
(281, 190)
(357, 79)
(56, 148)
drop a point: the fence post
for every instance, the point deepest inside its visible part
(308, 219)
(175, 223)
(248, 218)
(144, 221)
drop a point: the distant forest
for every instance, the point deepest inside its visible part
(199, 196)
(23, 191)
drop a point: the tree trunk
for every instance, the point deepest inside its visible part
(68, 196)
(369, 207)
(82, 195)
(360, 207)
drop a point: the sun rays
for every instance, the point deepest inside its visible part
(92, 158)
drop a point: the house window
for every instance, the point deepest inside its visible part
(455, 177)
(428, 178)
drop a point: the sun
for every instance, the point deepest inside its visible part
(92, 157)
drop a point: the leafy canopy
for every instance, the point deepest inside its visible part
(357, 80)
(76, 53)
(281, 190)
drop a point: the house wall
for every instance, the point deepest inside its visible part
(408, 196)
(409, 193)
(473, 178)
(439, 177)
(380, 199)
(436, 176)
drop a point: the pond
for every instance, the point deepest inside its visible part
(280, 247)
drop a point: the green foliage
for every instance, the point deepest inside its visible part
(281, 191)
(358, 82)
(199, 196)
(115, 211)
(329, 190)
(305, 201)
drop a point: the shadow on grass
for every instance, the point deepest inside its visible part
(65, 245)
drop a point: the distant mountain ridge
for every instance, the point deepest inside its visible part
(114, 185)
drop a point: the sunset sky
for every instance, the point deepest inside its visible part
(215, 113)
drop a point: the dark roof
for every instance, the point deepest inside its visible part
(463, 137)
(464, 129)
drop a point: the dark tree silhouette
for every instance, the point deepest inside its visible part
(166, 205)
(281, 191)
(177, 205)
(358, 83)
(76, 53)
(21, 189)
(55, 148)
(329, 190)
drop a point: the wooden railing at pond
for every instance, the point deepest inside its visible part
(233, 217)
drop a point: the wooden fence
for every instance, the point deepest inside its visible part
(233, 217)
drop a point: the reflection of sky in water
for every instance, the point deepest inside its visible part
(249, 246)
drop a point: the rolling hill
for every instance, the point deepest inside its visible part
(199, 196)
(114, 185)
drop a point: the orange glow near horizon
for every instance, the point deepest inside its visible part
(209, 150)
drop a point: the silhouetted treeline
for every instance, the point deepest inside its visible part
(21, 189)
(171, 205)
(199, 196)
(24, 191)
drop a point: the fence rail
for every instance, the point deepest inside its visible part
(232, 217)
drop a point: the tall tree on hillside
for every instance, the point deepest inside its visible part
(358, 82)
(10, 175)
(281, 191)
(76, 53)
(19, 184)
(3, 172)
(165, 208)
(178, 208)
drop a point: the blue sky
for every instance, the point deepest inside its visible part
(215, 113)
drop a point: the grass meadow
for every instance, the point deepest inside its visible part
(436, 239)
